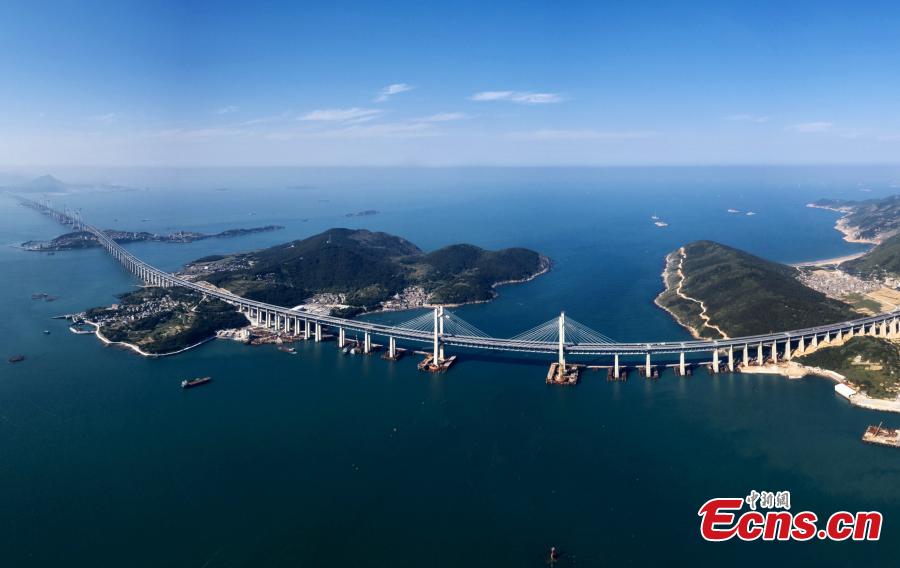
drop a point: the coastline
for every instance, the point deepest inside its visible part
(850, 232)
(831, 261)
(793, 370)
(138, 350)
(667, 272)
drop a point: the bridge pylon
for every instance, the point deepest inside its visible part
(437, 362)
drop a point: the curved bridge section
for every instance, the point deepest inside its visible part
(561, 336)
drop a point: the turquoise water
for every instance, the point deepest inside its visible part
(329, 460)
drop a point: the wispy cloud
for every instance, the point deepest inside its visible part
(108, 117)
(443, 117)
(811, 127)
(521, 97)
(549, 134)
(226, 109)
(354, 114)
(757, 118)
(391, 90)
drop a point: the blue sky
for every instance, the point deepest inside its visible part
(456, 83)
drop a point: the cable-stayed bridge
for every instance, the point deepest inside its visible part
(561, 336)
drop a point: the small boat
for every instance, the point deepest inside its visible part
(16, 359)
(289, 350)
(346, 349)
(750, 213)
(46, 332)
(661, 224)
(191, 383)
(353, 351)
(654, 217)
(733, 211)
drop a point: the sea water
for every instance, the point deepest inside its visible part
(324, 459)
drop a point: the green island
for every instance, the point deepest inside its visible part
(160, 321)
(347, 272)
(718, 291)
(82, 239)
(871, 364)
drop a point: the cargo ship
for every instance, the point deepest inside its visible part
(191, 383)
(16, 359)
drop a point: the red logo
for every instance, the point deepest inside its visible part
(721, 519)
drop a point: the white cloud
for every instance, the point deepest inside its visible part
(108, 117)
(354, 114)
(759, 119)
(444, 117)
(226, 109)
(385, 130)
(521, 97)
(550, 134)
(391, 90)
(811, 127)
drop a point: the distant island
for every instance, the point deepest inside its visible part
(870, 221)
(48, 184)
(83, 239)
(366, 213)
(162, 321)
(346, 272)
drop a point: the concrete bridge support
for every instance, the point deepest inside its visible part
(815, 342)
(730, 359)
(648, 368)
(787, 349)
(715, 360)
(746, 360)
(759, 355)
(801, 347)
(306, 332)
(318, 332)
(616, 372)
(392, 348)
(367, 343)
(775, 352)
(681, 366)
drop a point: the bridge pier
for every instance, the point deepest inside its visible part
(392, 348)
(730, 359)
(341, 338)
(306, 333)
(367, 343)
(774, 352)
(318, 332)
(759, 355)
(682, 371)
(437, 362)
(815, 342)
(715, 360)
(746, 360)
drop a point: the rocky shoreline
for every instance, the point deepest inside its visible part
(850, 232)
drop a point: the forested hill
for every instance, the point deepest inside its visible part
(743, 294)
(368, 268)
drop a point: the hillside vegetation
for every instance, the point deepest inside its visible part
(882, 260)
(368, 267)
(872, 219)
(743, 294)
(871, 363)
(164, 320)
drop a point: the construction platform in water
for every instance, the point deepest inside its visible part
(882, 436)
